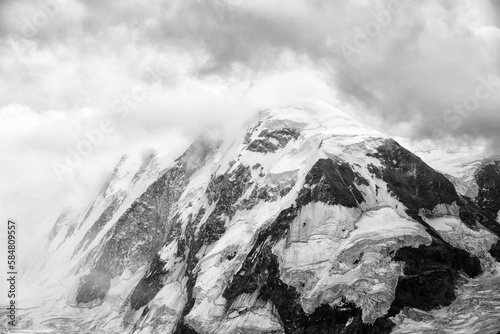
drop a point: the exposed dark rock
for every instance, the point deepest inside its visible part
(495, 251)
(145, 237)
(270, 141)
(191, 247)
(185, 329)
(375, 170)
(99, 224)
(360, 180)
(93, 286)
(328, 320)
(262, 146)
(141, 231)
(283, 136)
(253, 272)
(331, 183)
(265, 193)
(418, 186)
(286, 189)
(256, 166)
(213, 229)
(149, 285)
(430, 272)
(225, 190)
(154, 279)
(415, 184)
(472, 215)
(430, 276)
(115, 202)
(248, 135)
(488, 180)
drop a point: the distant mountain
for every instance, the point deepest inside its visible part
(307, 222)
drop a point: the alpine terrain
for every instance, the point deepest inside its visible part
(306, 222)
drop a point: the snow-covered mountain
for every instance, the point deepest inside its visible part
(307, 222)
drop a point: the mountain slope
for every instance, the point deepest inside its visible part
(308, 222)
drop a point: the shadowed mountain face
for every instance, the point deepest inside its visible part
(488, 180)
(308, 222)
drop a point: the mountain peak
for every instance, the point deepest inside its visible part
(314, 117)
(310, 220)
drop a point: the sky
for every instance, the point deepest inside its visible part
(155, 73)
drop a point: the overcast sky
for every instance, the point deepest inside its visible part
(411, 68)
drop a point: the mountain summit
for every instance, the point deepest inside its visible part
(308, 222)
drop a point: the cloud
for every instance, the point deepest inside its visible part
(403, 61)
(415, 66)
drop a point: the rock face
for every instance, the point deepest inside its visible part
(488, 180)
(140, 232)
(308, 222)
